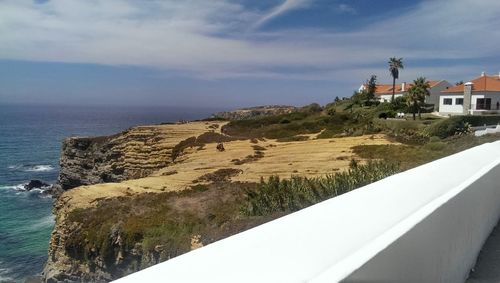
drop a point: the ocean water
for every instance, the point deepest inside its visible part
(30, 140)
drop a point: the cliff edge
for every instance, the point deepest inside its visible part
(132, 154)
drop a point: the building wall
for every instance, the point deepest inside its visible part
(495, 97)
(435, 91)
(433, 98)
(388, 97)
(455, 109)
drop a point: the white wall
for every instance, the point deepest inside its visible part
(423, 225)
(451, 109)
(487, 131)
(458, 109)
(388, 97)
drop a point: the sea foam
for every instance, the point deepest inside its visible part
(39, 168)
(45, 222)
(19, 187)
(32, 168)
(4, 272)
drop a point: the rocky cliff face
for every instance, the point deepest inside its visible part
(63, 266)
(81, 251)
(132, 154)
(60, 267)
(255, 112)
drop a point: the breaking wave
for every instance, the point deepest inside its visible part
(4, 274)
(39, 168)
(19, 187)
(32, 168)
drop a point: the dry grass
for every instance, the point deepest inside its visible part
(309, 158)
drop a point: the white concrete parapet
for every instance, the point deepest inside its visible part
(487, 130)
(427, 224)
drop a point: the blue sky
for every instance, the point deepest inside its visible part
(231, 53)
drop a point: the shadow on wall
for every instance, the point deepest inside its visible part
(487, 266)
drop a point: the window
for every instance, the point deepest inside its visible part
(459, 101)
(447, 101)
(483, 104)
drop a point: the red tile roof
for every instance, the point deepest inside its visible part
(483, 83)
(387, 88)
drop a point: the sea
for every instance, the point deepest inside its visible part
(30, 142)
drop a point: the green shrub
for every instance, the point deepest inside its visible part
(282, 195)
(434, 139)
(460, 125)
(221, 175)
(435, 146)
(312, 108)
(331, 111)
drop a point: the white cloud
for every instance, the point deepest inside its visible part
(344, 8)
(286, 6)
(210, 39)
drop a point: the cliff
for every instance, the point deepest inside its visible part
(154, 192)
(132, 154)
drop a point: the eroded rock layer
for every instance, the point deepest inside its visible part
(132, 154)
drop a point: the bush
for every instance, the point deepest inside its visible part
(312, 108)
(331, 111)
(383, 115)
(459, 125)
(388, 114)
(221, 175)
(410, 136)
(435, 146)
(277, 195)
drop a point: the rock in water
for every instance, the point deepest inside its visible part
(36, 184)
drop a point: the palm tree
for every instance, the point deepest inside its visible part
(417, 94)
(394, 65)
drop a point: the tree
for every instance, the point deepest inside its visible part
(371, 88)
(394, 65)
(417, 94)
(357, 98)
(337, 99)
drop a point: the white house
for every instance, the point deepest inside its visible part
(477, 97)
(383, 92)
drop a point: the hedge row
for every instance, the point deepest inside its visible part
(449, 127)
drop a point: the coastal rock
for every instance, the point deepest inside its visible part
(132, 154)
(36, 184)
(60, 267)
